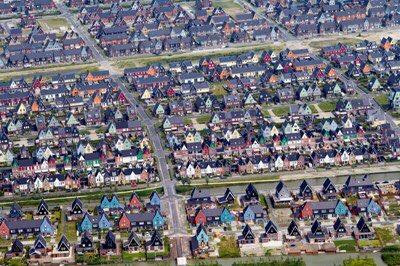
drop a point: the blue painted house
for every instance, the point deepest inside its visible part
(46, 227)
(155, 199)
(94, 222)
(103, 222)
(86, 224)
(253, 213)
(368, 206)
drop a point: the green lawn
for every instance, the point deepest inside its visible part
(320, 44)
(382, 99)
(347, 245)
(374, 243)
(359, 262)
(227, 5)
(313, 109)
(126, 256)
(327, 106)
(345, 242)
(281, 111)
(385, 235)
(347, 248)
(262, 200)
(54, 23)
(391, 255)
(203, 119)
(227, 248)
(187, 121)
(70, 230)
(218, 90)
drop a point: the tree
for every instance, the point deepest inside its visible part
(207, 180)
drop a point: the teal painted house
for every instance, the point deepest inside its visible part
(226, 216)
(158, 220)
(86, 224)
(109, 203)
(114, 202)
(341, 209)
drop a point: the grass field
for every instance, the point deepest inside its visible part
(359, 262)
(203, 119)
(347, 245)
(281, 111)
(327, 106)
(382, 100)
(320, 44)
(374, 243)
(391, 255)
(54, 23)
(126, 256)
(70, 230)
(227, 248)
(218, 90)
(229, 7)
(313, 109)
(385, 235)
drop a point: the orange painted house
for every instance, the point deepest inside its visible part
(200, 217)
(124, 222)
(135, 202)
(4, 230)
(96, 76)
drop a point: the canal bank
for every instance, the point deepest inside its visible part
(268, 186)
(310, 260)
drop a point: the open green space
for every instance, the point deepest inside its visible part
(203, 119)
(281, 111)
(327, 106)
(391, 255)
(346, 245)
(227, 5)
(274, 262)
(126, 256)
(320, 44)
(383, 100)
(227, 248)
(218, 89)
(373, 243)
(313, 109)
(54, 23)
(70, 230)
(359, 262)
(385, 235)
